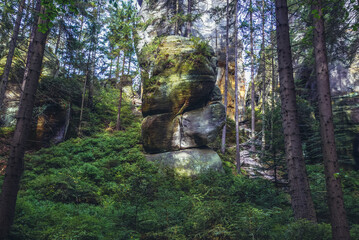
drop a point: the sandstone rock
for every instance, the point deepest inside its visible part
(180, 76)
(216, 94)
(201, 126)
(231, 91)
(189, 162)
(158, 15)
(196, 128)
(158, 132)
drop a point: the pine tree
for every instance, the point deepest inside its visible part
(340, 228)
(238, 154)
(253, 119)
(15, 165)
(224, 131)
(301, 199)
(10, 55)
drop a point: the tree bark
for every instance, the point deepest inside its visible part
(223, 147)
(79, 132)
(57, 67)
(118, 122)
(340, 228)
(93, 62)
(273, 96)
(189, 22)
(299, 190)
(253, 116)
(5, 76)
(263, 57)
(238, 156)
(15, 165)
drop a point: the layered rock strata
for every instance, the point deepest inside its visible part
(181, 104)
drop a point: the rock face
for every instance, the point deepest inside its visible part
(180, 104)
(159, 17)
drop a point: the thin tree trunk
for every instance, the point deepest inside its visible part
(272, 146)
(110, 75)
(177, 12)
(93, 63)
(15, 165)
(91, 82)
(67, 122)
(80, 38)
(263, 83)
(338, 218)
(189, 23)
(299, 190)
(5, 76)
(79, 132)
(238, 156)
(253, 117)
(57, 67)
(128, 73)
(223, 147)
(28, 10)
(118, 122)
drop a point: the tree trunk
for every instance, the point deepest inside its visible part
(340, 228)
(5, 76)
(238, 156)
(91, 75)
(57, 67)
(299, 190)
(118, 122)
(263, 57)
(28, 10)
(15, 165)
(93, 62)
(272, 146)
(79, 132)
(128, 73)
(253, 117)
(189, 22)
(223, 147)
(110, 75)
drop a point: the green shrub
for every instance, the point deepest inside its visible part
(303, 230)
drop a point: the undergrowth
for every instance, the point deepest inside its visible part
(101, 187)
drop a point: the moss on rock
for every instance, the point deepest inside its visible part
(176, 72)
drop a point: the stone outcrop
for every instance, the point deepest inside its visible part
(180, 104)
(159, 15)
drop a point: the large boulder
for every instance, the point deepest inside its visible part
(159, 133)
(189, 162)
(201, 126)
(178, 74)
(196, 128)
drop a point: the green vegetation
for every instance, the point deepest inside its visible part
(101, 187)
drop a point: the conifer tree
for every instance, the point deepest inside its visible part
(13, 42)
(15, 165)
(224, 131)
(340, 228)
(301, 199)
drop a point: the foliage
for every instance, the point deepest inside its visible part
(101, 187)
(350, 185)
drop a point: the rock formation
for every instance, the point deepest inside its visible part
(180, 103)
(159, 15)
